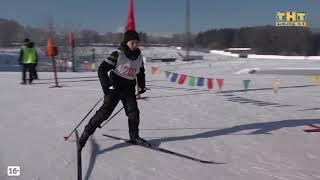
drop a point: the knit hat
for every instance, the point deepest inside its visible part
(26, 40)
(130, 35)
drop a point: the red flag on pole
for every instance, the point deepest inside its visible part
(130, 24)
(71, 39)
(51, 50)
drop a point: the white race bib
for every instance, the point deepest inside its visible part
(127, 68)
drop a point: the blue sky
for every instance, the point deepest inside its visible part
(154, 15)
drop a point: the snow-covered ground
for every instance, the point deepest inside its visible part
(256, 134)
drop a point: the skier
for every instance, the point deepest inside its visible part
(117, 76)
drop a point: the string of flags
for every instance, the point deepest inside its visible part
(209, 82)
(193, 80)
(189, 80)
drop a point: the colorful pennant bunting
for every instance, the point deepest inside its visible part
(200, 81)
(174, 77)
(182, 79)
(167, 73)
(275, 85)
(220, 83)
(191, 81)
(153, 70)
(93, 67)
(246, 84)
(210, 83)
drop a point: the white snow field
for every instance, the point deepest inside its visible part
(257, 135)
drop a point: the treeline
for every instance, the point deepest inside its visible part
(262, 40)
(13, 32)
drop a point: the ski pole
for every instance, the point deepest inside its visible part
(116, 113)
(110, 118)
(66, 137)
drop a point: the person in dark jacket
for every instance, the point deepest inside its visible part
(117, 75)
(28, 59)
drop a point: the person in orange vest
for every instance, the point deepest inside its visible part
(117, 75)
(28, 59)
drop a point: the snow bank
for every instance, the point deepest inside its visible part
(248, 71)
(255, 56)
(224, 53)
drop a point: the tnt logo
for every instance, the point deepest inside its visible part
(291, 18)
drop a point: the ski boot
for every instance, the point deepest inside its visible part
(135, 139)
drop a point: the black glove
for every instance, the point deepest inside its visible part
(143, 90)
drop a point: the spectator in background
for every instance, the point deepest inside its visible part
(35, 73)
(28, 59)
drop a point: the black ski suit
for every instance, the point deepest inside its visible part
(123, 89)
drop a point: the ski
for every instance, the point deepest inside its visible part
(163, 150)
(79, 163)
(312, 130)
(315, 128)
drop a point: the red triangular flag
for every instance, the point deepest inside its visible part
(130, 24)
(50, 45)
(153, 69)
(220, 83)
(182, 79)
(71, 39)
(210, 83)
